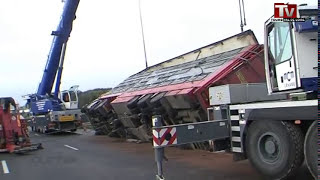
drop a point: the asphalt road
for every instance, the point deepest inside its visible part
(85, 156)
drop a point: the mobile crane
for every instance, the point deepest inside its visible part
(275, 135)
(56, 111)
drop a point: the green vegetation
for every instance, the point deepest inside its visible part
(90, 95)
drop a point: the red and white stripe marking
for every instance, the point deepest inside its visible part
(160, 134)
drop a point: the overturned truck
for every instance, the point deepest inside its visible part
(177, 88)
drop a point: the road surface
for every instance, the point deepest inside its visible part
(84, 156)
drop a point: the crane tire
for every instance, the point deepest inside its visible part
(275, 148)
(310, 149)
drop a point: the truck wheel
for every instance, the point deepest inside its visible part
(310, 149)
(275, 148)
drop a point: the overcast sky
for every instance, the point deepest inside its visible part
(105, 46)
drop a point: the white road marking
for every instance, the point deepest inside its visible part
(36, 134)
(71, 147)
(5, 167)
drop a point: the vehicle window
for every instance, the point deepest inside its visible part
(73, 96)
(8, 104)
(65, 97)
(279, 42)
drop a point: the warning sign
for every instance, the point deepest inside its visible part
(164, 136)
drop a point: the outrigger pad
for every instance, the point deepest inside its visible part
(32, 147)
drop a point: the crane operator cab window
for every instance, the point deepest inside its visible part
(280, 42)
(65, 97)
(73, 96)
(69, 98)
(279, 48)
(281, 60)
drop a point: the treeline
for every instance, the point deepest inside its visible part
(86, 97)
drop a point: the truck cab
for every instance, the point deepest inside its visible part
(290, 53)
(69, 97)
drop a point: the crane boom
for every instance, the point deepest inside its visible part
(56, 55)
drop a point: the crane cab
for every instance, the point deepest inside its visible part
(69, 98)
(291, 53)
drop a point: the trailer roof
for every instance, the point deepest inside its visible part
(181, 73)
(191, 71)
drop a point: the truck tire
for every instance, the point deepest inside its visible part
(275, 148)
(310, 149)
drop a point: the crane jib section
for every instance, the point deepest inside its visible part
(60, 39)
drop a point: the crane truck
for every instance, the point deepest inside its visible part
(275, 135)
(57, 111)
(14, 136)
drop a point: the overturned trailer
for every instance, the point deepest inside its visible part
(177, 88)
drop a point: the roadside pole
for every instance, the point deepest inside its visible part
(159, 151)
